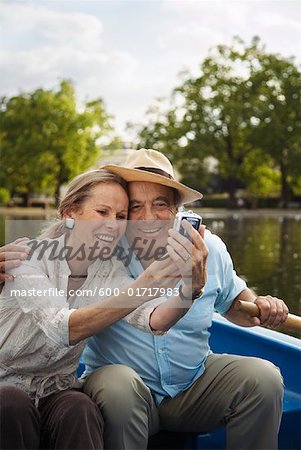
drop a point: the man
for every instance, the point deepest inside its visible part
(137, 378)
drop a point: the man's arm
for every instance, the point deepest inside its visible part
(190, 258)
(11, 256)
(273, 311)
(193, 272)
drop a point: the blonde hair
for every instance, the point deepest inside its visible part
(78, 190)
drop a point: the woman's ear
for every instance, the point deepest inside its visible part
(70, 213)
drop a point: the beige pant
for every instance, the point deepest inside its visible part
(242, 393)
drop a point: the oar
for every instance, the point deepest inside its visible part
(292, 322)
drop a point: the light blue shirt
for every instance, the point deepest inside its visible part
(170, 364)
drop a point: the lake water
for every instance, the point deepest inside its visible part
(266, 252)
(265, 247)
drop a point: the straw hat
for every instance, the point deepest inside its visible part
(151, 166)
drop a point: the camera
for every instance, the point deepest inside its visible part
(194, 219)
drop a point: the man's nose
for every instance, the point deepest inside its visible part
(149, 214)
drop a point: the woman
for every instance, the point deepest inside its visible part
(43, 323)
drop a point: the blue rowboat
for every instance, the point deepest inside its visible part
(283, 350)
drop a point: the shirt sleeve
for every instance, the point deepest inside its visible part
(140, 317)
(35, 294)
(231, 285)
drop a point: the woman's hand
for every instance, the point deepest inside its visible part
(163, 273)
(11, 256)
(190, 257)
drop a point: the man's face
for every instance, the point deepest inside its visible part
(151, 213)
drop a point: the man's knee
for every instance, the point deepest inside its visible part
(262, 377)
(118, 390)
(114, 383)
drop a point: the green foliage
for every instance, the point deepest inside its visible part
(4, 196)
(262, 176)
(45, 140)
(243, 109)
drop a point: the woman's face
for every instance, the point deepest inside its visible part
(102, 218)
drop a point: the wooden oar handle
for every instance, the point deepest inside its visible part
(292, 322)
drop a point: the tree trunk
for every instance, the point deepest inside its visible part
(60, 181)
(231, 189)
(231, 181)
(26, 199)
(57, 194)
(286, 191)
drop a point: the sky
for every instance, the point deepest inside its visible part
(130, 52)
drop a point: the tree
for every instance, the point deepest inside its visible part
(244, 101)
(45, 140)
(277, 113)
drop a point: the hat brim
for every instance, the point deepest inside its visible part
(187, 194)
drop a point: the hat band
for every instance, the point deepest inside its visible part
(157, 171)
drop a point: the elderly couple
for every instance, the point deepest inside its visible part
(152, 370)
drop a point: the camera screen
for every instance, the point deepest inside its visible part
(194, 222)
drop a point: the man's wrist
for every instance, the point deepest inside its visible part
(191, 297)
(198, 294)
(184, 297)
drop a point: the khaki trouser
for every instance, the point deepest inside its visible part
(242, 393)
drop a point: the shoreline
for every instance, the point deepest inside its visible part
(24, 211)
(205, 212)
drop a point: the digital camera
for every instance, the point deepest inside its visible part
(194, 219)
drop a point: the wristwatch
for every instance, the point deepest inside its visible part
(196, 295)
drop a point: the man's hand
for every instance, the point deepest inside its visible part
(190, 257)
(11, 256)
(273, 311)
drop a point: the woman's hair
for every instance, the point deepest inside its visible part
(78, 190)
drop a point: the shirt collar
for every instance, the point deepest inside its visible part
(134, 266)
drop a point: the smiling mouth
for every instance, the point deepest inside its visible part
(150, 230)
(105, 238)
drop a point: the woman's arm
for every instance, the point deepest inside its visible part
(52, 313)
(85, 322)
